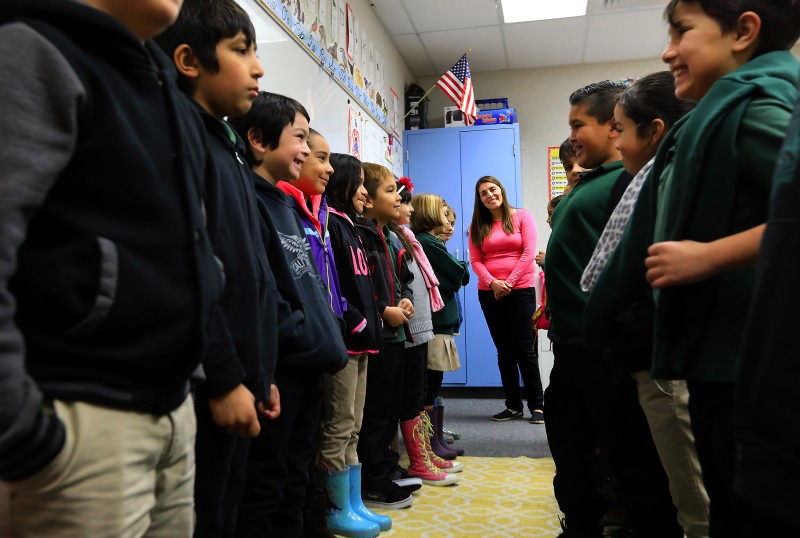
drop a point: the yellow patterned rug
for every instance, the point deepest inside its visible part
(494, 497)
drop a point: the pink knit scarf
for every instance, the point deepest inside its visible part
(427, 271)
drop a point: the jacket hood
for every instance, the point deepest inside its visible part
(88, 26)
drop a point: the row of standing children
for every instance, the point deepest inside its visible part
(266, 347)
(668, 257)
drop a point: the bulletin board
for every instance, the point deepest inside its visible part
(297, 66)
(556, 176)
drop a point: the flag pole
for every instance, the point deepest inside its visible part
(415, 105)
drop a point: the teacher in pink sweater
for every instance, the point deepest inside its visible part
(502, 253)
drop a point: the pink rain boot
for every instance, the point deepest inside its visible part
(450, 466)
(419, 463)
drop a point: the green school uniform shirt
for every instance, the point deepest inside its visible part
(711, 179)
(578, 221)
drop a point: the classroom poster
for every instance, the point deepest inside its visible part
(354, 132)
(342, 34)
(556, 176)
(324, 23)
(351, 37)
(394, 111)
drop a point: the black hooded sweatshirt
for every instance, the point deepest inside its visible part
(107, 276)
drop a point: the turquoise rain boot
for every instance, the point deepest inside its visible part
(357, 504)
(342, 520)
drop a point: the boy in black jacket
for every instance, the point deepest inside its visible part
(213, 47)
(309, 334)
(107, 277)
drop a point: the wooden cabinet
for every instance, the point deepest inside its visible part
(449, 162)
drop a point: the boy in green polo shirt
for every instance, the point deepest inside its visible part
(583, 394)
(701, 214)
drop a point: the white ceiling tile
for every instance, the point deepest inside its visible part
(608, 36)
(393, 16)
(446, 47)
(608, 6)
(545, 43)
(428, 15)
(414, 54)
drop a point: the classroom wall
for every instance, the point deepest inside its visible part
(541, 98)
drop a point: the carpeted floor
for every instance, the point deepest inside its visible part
(469, 411)
(494, 498)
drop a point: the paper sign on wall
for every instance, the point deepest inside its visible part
(556, 176)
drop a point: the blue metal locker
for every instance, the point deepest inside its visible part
(448, 162)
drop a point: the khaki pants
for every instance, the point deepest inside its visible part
(120, 474)
(343, 410)
(666, 406)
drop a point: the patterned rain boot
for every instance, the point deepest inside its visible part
(419, 463)
(450, 466)
(439, 411)
(342, 520)
(357, 504)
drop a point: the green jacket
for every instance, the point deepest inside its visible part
(710, 180)
(578, 222)
(452, 274)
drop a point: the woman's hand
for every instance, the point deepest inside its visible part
(540, 258)
(500, 289)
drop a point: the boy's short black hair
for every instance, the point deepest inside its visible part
(780, 19)
(343, 183)
(565, 150)
(599, 98)
(268, 115)
(202, 24)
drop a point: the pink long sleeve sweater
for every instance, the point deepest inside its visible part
(507, 257)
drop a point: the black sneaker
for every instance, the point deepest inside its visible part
(537, 417)
(407, 482)
(508, 414)
(392, 497)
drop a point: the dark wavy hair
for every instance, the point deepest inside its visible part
(780, 19)
(653, 97)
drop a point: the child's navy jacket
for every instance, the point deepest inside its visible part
(309, 333)
(249, 299)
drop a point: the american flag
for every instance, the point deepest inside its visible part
(457, 84)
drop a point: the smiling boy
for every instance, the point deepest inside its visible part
(582, 395)
(309, 336)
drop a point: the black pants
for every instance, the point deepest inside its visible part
(711, 411)
(435, 378)
(381, 414)
(509, 321)
(594, 421)
(280, 458)
(415, 381)
(221, 466)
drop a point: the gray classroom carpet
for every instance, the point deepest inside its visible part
(470, 410)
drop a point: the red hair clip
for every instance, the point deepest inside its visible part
(406, 183)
